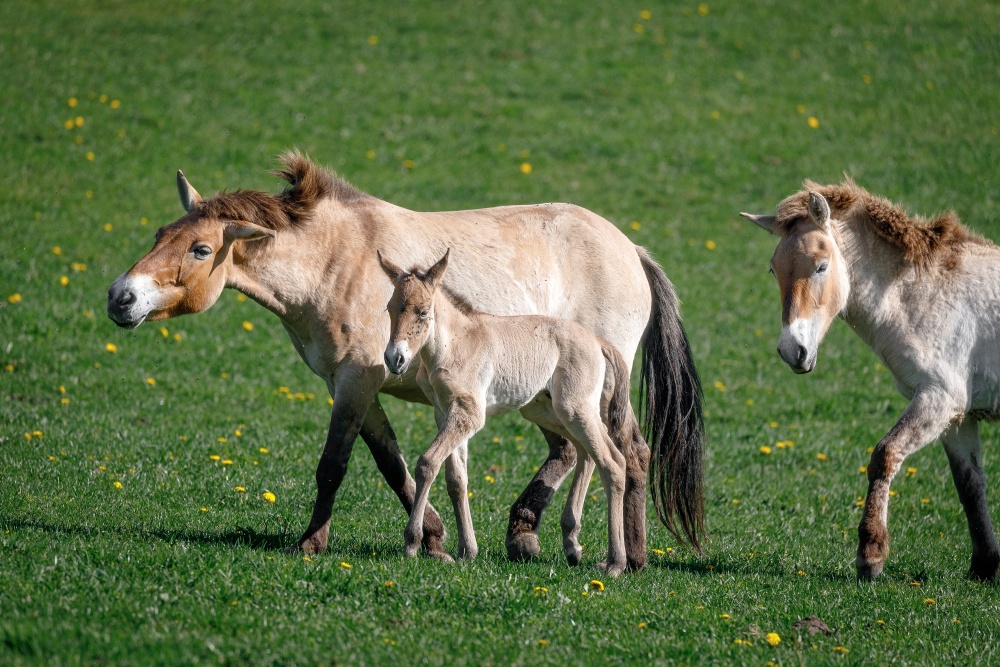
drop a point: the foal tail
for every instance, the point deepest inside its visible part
(619, 409)
(670, 404)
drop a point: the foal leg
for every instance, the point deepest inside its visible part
(526, 512)
(570, 521)
(461, 424)
(457, 475)
(961, 442)
(636, 467)
(925, 418)
(378, 435)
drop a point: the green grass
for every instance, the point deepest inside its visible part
(676, 124)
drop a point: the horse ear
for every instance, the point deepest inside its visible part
(436, 272)
(189, 196)
(391, 270)
(245, 231)
(819, 211)
(762, 221)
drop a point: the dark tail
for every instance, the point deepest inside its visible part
(619, 408)
(670, 404)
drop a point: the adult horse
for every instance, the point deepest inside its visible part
(307, 254)
(925, 296)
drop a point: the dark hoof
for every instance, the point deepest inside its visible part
(869, 570)
(522, 547)
(984, 569)
(309, 546)
(636, 564)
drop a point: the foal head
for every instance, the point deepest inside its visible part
(411, 310)
(812, 276)
(187, 268)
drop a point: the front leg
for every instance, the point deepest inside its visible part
(381, 440)
(526, 512)
(570, 521)
(456, 471)
(353, 389)
(925, 418)
(464, 419)
(961, 442)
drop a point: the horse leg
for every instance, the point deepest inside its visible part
(961, 442)
(381, 440)
(570, 521)
(461, 424)
(457, 475)
(925, 418)
(611, 465)
(353, 390)
(526, 512)
(636, 467)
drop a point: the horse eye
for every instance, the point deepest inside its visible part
(822, 267)
(202, 251)
(423, 314)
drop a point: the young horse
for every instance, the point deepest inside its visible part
(925, 296)
(306, 254)
(473, 365)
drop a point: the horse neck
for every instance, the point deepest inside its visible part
(449, 324)
(871, 267)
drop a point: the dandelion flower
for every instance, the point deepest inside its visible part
(115, 104)
(370, 155)
(64, 280)
(911, 471)
(107, 226)
(862, 469)
(69, 124)
(720, 385)
(841, 649)
(526, 168)
(14, 298)
(307, 559)
(658, 552)
(118, 485)
(72, 102)
(543, 642)
(742, 642)
(915, 584)
(930, 601)
(151, 382)
(642, 625)
(408, 164)
(491, 479)
(724, 617)
(214, 457)
(248, 326)
(264, 450)
(203, 509)
(703, 9)
(867, 79)
(227, 462)
(372, 40)
(220, 439)
(241, 489)
(269, 497)
(773, 638)
(111, 347)
(645, 15)
(764, 449)
(635, 226)
(710, 244)
(823, 457)
(56, 250)
(346, 566)
(597, 585)
(801, 573)
(813, 122)
(390, 583)
(925, 501)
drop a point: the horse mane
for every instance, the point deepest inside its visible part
(458, 301)
(308, 184)
(921, 240)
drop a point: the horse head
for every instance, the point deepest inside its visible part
(186, 270)
(411, 310)
(812, 276)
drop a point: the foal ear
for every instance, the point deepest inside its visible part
(436, 272)
(189, 196)
(762, 221)
(819, 211)
(391, 270)
(246, 231)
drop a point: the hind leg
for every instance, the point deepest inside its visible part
(965, 456)
(574, 508)
(636, 467)
(526, 512)
(457, 476)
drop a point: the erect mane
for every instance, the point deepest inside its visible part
(308, 184)
(920, 239)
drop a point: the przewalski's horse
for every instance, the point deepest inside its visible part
(307, 255)
(473, 365)
(925, 296)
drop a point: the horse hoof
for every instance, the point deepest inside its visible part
(467, 554)
(869, 570)
(984, 569)
(614, 570)
(441, 556)
(523, 547)
(309, 546)
(637, 564)
(412, 549)
(573, 556)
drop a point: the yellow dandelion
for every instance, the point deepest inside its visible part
(823, 457)
(658, 552)
(813, 122)
(893, 493)
(103, 99)
(469, 494)
(238, 433)
(720, 385)
(930, 601)
(248, 326)
(639, 28)
(597, 585)
(915, 584)
(214, 457)
(241, 297)
(841, 649)
(78, 266)
(107, 226)
(703, 9)
(227, 462)
(329, 401)
(801, 573)
(749, 401)
(241, 489)
(880, 622)
(56, 250)
(203, 509)
(9, 368)
(64, 280)
(373, 40)
(867, 79)
(164, 332)
(72, 102)
(490, 479)
(111, 347)
(635, 226)
(390, 584)
(79, 121)
(151, 382)
(642, 625)
(346, 566)
(14, 298)
(526, 168)
(773, 424)
(89, 194)
(710, 244)
(220, 439)
(69, 124)
(724, 617)
(925, 501)
(955, 620)
(408, 164)
(736, 501)
(307, 559)
(118, 485)
(911, 471)
(715, 115)
(269, 497)
(773, 638)
(742, 642)
(862, 469)
(543, 642)
(264, 450)
(115, 104)
(764, 449)
(645, 15)
(177, 337)
(859, 503)
(64, 401)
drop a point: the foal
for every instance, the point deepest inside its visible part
(556, 373)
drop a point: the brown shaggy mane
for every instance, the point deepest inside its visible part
(458, 301)
(920, 239)
(308, 183)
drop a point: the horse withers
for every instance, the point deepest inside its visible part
(473, 365)
(307, 254)
(924, 294)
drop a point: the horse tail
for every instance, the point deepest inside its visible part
(619, 408)
(670, 399)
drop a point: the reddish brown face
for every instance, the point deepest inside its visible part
(410, 311)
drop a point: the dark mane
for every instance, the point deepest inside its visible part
(920, 239)
(308, 184)
(458, 301)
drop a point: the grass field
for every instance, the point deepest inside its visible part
(124, 542)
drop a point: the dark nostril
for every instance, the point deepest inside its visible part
(126, 297)
(800, 355)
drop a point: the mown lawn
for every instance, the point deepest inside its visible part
(124, 542)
